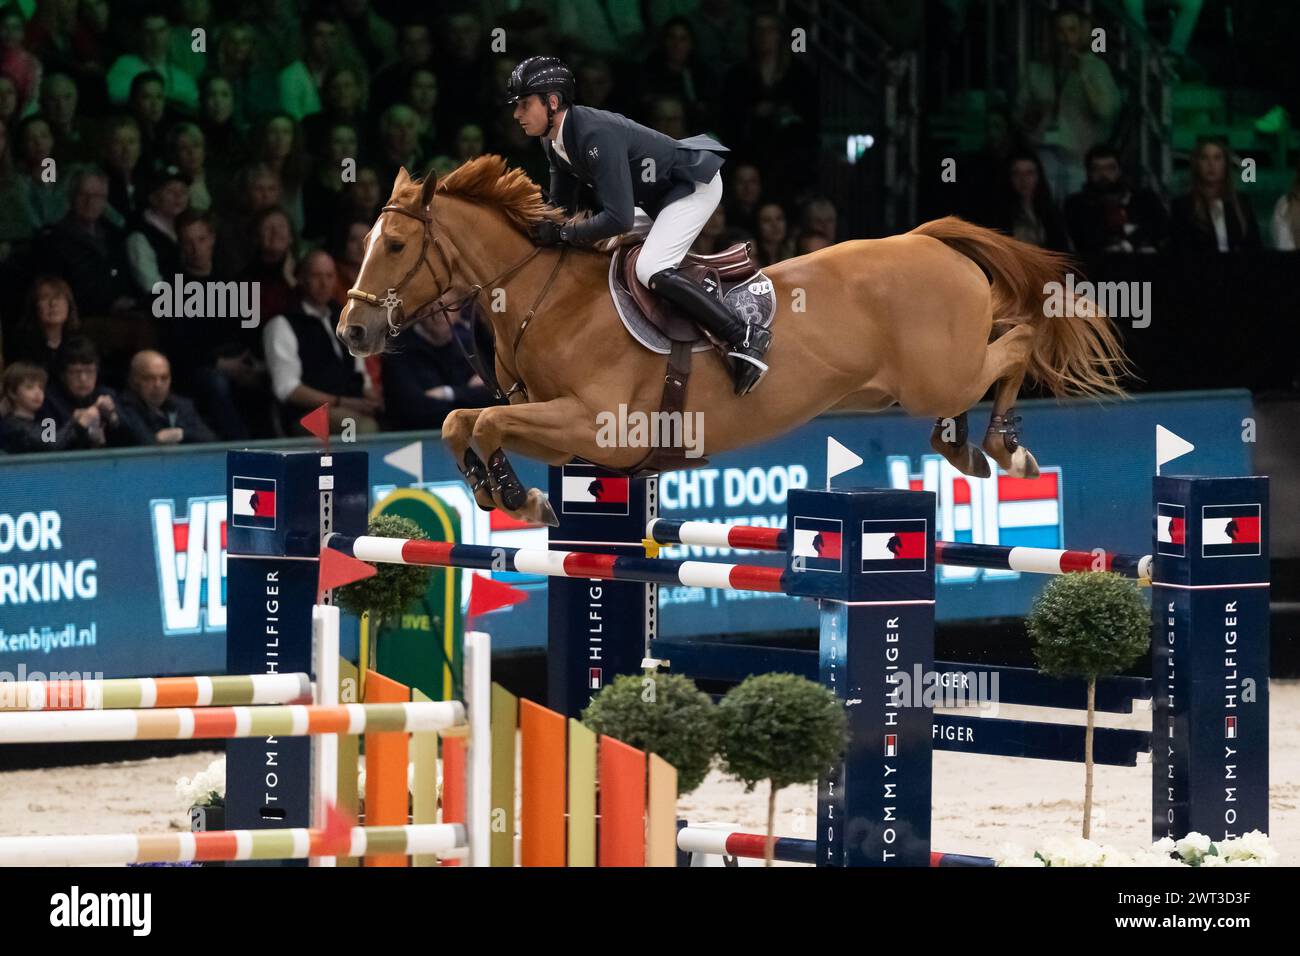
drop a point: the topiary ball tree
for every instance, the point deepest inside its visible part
(664, 714)
(1089, 625)
(781, 728)
(385, 595)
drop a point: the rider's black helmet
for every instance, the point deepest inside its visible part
(540, 74)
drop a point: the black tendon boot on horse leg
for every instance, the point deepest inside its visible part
(525, 503)
(746, 344)
(476, 476)
(949, 438)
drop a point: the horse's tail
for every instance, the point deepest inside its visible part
(1077, 354)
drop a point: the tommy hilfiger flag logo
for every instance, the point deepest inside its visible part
(1230, 531)
(595, 678)
(252, 502)
(1171, 530)
(817, 544)
(1230, 727)
(891, 745)
(894, 545)
(591, 492)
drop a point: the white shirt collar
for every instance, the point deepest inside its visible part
(558, 142)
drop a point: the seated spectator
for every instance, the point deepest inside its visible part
(344, 102)
(308, 364)
(274, 260)
(464, 72)
(121, 152)
(772, 108)
(258, 189)
(154, 415)
(668, 116)
(50, 38)
(469, 143)
(152, 37)
(187, 152)
(1026, 211)
(151, 246)
(44, 194)
(743, 197)
(59, 107)
(810, 242)
(422, 97)
(675, 70)
(415, 51)
(1067, 104)
(322, 193)
(981, 175)
(88, 250)
(595, 77)
(1286, 218)
(277, 146)
(213, 357)
(373, 37)
(149, 108)
(301, 80)
(362, 199)
(348, 247)
(821, 217)
(49, 319)
(191, 15)
(27, 426)
(78, 389)
(221, 135)
(16, 62)
(425, 376)
(1211, 217)
(773, 240)
(711, 239)
(250, 71)
(399, 145)
(1109, 215)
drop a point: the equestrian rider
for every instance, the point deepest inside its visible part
(627, 165)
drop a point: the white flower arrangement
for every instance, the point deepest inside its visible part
(1195, 849)
(206, 788)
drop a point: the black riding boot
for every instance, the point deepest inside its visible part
(746, 344)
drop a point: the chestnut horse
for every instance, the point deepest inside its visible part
(930, 320)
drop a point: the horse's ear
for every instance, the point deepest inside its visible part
(403, 179)
(426, 193)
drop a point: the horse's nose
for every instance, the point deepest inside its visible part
(353, 336)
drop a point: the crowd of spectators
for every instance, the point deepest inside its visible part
(1048, 174)
(253, 142)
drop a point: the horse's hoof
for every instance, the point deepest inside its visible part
(1023, 464)
(539, 510)
(976, 465)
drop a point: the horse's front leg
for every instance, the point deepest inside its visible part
(457, 433)
(551, 431)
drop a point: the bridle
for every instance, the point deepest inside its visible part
(392, 301)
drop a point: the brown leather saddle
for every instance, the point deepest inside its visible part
(659, 326)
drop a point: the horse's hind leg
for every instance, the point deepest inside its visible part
(1002, 440)
(949, 439)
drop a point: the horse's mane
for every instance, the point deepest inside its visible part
(488, 180)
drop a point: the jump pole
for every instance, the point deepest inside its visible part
(1209, 660)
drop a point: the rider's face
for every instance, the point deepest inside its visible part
(530, 114)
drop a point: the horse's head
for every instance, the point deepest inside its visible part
(398, 279)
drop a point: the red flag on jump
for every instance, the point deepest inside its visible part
(488, 595)
(338, 569)
(318, 423)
